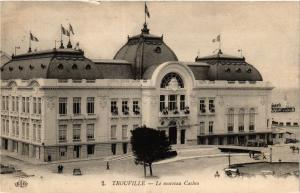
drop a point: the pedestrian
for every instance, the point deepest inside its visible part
(61, 168)
(264, 156)
(217, 175)
(58, 169)
(250, 154)
(107, 165)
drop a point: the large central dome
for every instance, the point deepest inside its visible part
(145, 50)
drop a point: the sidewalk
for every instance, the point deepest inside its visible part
(38, 162)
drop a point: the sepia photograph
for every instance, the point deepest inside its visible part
(149, 96)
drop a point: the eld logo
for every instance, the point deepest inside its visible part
(21, 183)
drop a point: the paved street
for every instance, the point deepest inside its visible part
(196, 165)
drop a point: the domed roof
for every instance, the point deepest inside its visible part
(145, 50)
(51, 64)
(230, 68)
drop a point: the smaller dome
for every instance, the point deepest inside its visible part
(51, 64)
(230, 68)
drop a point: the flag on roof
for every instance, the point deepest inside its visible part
(71, 29)
(33, 38)
(147, 11)
(217, 39)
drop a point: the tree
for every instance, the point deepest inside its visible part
(149, 145)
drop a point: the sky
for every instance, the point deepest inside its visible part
(267, 32)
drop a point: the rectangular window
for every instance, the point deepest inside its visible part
(90, 105)
(23, 104)
(90, 149)
(27, 130)
(34, 105)
(7, 127)
(202, 105)
(3, 126)
(39, 134)
(135, 107)
(76, 105)
(62, 133)
(124, 147)
(90, 131)
(27, 105)
(62, 151)
(230, 120)
(23, 130)
(7, 103)
(13, 103)
(3, 102)
(17, 104)
(252, 119)
(113, 132)
(13, 128)
(124, 132)
(211, 105)
(125, 108)
(211, 127)
(63, 104)
(17, 129)
(114, 107)
(76, 132)
(202, 128)
(182, 102)
(39, 111)
(172, 102)
(34, 132)
(162, 103)
(113, 148)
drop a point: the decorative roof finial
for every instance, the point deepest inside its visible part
(145, 29)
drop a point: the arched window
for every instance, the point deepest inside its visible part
(230, 120)
(172, 79)
(88, 67)
(241, 119)
(252, 119)
(74, 67)
(60, 66)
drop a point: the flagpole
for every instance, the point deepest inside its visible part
(61, 41)
(220, 43)
(29, 50)
(145, 12)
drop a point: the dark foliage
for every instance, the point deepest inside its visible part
(149, 145)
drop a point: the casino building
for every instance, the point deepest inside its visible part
(58, 105)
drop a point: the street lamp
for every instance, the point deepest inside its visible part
(229, 159)
(270, 154)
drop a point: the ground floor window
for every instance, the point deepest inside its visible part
(113, 148)
(90, 149)
(124, 148)
(230, 140)
(62, 151)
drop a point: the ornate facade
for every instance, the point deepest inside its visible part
(57, 104)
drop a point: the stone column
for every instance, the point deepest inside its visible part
(83, 153)
(31, 151)
(70, 154)
(178, 135)
(20, 148)
(10, 145)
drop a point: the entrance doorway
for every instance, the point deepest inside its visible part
(173, 135)
(76, 152)
(182, 136)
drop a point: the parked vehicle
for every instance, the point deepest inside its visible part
(7, 169)
(232, 172)
(77, 172)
